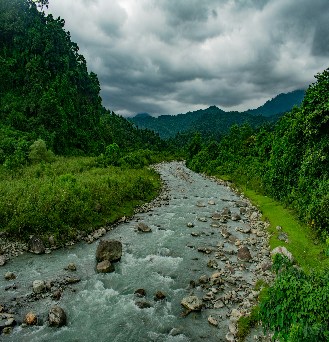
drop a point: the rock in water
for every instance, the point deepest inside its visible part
(36, 245)
(105, 266)
(31, 318)
(110, 250)
(192, 303)
(2, 260)
(159, 296)
(212, 321)
(144, 228)
(56, 317)
(10, 276)
(244, 254)
(38, 286)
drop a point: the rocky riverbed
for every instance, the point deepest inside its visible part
(191, 259)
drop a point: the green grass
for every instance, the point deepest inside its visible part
(70, 195)
(307, 250)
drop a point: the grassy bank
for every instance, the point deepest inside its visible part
(307, 249)
(70, 195)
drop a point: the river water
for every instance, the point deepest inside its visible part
(102, 307)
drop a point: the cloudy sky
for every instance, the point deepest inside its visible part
(174, 56)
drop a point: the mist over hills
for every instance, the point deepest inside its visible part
(215, 121)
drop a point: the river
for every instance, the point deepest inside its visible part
(102, 307)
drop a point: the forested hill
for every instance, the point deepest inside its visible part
(280, 104)
(216, 122)
(48, 93)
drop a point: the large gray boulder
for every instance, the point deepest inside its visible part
(39, 286)
(110, 250)
(56, 317)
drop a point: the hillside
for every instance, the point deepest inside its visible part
(214, 121)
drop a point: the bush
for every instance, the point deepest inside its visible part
(296, 306)
(39, 153)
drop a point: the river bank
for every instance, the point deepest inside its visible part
(206, 241)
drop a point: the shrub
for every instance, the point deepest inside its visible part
(38, 152)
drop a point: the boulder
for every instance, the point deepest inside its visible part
(216, 216)
(140, 293)
(143, 228)
(235, 217)
(38, 286)
(159, 295)
(105, 266)
(10, 276)
(110, 250)
(244, 254)
(192, 303)
(226, 211)
(56, 317)
(36, 245)
(211, 202)
(31, 318)
(190, 225)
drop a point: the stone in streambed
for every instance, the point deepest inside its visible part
(105, 266)
(38, 286)
(31, 318)
(159, 296)
(57, 317)
(36, 245)
(213, 321)
(2, 260)
(143, 228)
(140, 293)
(192, 303)
(110, 250)
(10, 276)
(244, 254)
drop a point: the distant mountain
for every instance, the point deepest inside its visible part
(280, 104)
(214, 121)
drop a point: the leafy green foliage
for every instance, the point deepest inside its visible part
(295, 307)
(39, 153)
(69, 195)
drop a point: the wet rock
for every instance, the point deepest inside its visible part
(2, 260)
(143, 304)
(216, 216)
(110, 250)
(254, 216)
(192, 303)
(200, 204)
(56, 295)
(36, 245)
(216, 279)
(38, 286)
(175, 332)
(244, 254)
(105, 266)
(71, 267)
(205, 250)
(202, 219)
(218, 304)
(242, 211)
(10, 276)
(230, 337)
(213, 321)
(203, 279)
(211, 202)
(159, 295)
(283, 251)
(57, 317)
(195, 234)
(226, 211)
(235, 217)
(31, 318)
(241, 204)
(7, 330)
(212, 264)
(232, 239)
(140, 293)
(143, 228)
(190, 225)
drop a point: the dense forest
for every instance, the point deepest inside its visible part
(68, 165)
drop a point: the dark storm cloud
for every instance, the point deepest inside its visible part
(167, 57)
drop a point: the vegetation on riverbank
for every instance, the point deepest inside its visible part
(70, 196)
